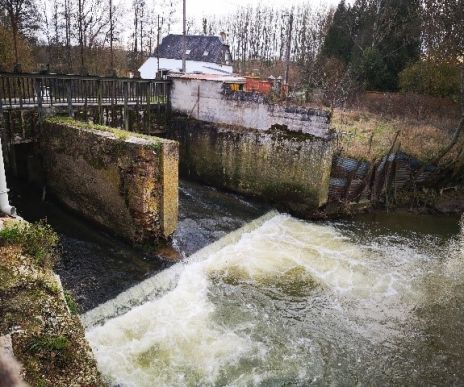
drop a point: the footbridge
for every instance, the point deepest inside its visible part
(106, 100)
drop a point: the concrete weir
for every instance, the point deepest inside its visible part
(243, 142)
(120, 180)
(288, 168)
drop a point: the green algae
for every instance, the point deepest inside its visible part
(120, 134)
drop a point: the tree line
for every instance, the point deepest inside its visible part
(384, 45)
(81, 36)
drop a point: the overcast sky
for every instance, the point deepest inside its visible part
(200, 8)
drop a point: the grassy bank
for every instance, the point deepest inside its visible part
(366, 129)
(366, 135)
(47, 336)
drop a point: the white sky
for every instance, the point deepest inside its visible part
(199, 8)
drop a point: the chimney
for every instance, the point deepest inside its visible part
(223, 37)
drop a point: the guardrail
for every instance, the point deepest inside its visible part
(30, 90)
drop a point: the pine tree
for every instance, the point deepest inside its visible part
(385, 38)
(338, 42)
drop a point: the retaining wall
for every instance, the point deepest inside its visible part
(277, 165)
(207, 100)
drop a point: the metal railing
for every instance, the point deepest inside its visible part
(29, 90)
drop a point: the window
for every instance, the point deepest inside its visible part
(187, 52)
(235, 87)
(205, 53)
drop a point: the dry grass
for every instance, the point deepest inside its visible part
(408, 106)
(366, 135)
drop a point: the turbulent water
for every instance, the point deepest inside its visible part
(285, 302)
(96, 266)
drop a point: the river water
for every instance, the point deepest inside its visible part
(376, 299)
(95, 266)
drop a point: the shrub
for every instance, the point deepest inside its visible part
(37, 240)
(436, 79)
(11, 234)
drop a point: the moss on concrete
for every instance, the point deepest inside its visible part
(120, 134)
(126, 182)
(287, 168)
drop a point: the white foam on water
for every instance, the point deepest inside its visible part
(173, 337)
(160, 283)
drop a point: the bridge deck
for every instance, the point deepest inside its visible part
(31, 105)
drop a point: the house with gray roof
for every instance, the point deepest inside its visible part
(203, 54)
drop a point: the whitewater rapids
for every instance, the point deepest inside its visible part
(278, 302)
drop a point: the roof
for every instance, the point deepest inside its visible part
(209, 77)
(202, 48)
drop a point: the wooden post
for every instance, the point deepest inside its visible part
(69, 97)
(20, 93)
(167, 100)
(38, 91)
(158, 98)
(126, 102)
(3, 130)
(138, 99)
(1, 109)
(86, 92)
(148, 107)
(99, 101)
(51, 87)
(9, 90)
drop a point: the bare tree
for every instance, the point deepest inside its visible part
(67, 16)
(22, 17)
(443, 33)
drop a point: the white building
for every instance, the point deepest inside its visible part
(204, 54)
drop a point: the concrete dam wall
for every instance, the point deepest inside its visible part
(211, 101)
(122, 181)
(243, 142)
(287, 168)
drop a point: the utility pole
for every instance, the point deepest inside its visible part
(158, 44)
(184, 39)
(289, 42)
(81, 33)
(111, 37)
